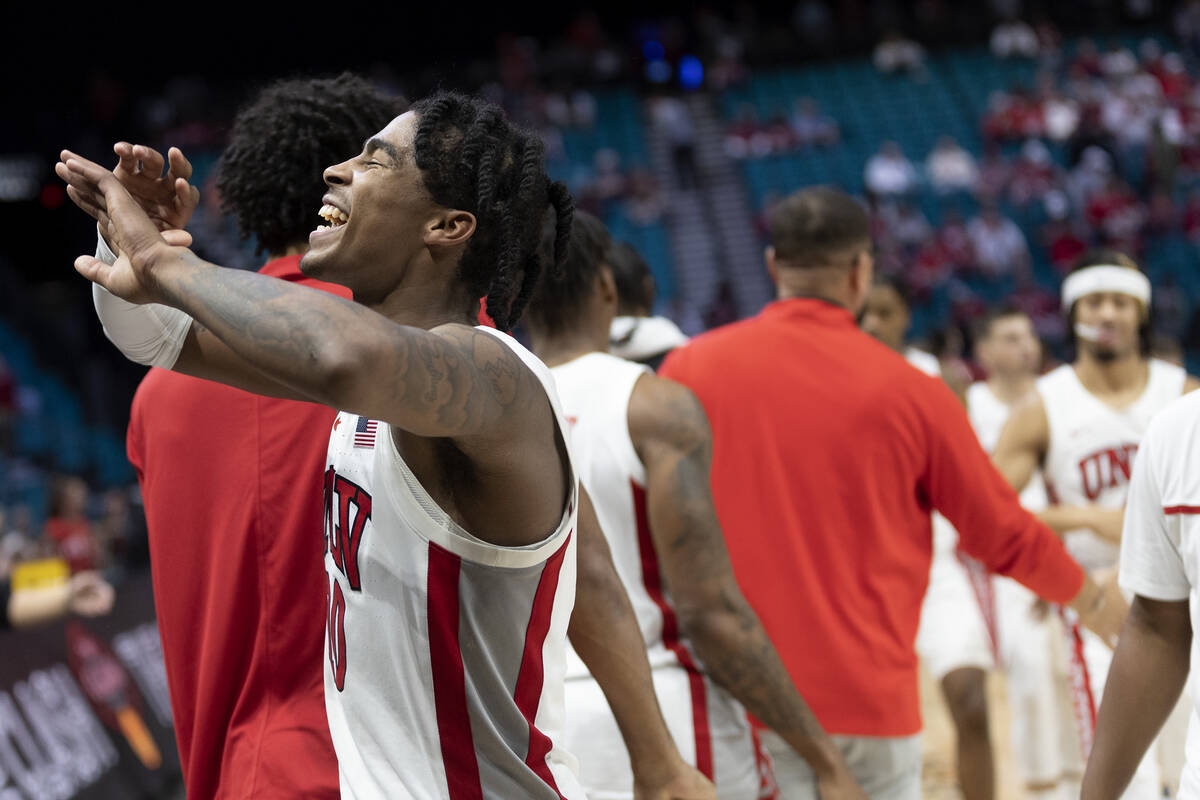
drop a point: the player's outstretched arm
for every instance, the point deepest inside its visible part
(450, 382)
(604, 632)
(1149, 670)
(671, 435)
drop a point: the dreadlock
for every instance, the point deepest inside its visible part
(472, 158)
(270, 175)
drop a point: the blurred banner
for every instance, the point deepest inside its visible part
(84, 710)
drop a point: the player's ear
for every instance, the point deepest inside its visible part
(772, 267)
(449, 228)
(606, 285)
(862, 275)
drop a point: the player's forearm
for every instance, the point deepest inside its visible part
(1148, 671)
(302, 338)
(29, 607)
(605, 633)
(1061, 519)
(738, 656)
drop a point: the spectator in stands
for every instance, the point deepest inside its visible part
(1060, 115)
(951, 168)
(1033, 174)
(1087, 58)
(811, 127)
(68, 526)
(908, 225)
(1061, 237)
(1000, 247)
(1014, 38)
(670, 115)
(897, 53)
(85, 593)
(1115, 212)
(1118, 62)
(954, 239)
(994, 171)
(644, 205)
(1089, 176)
(889, 173)
(742, 139)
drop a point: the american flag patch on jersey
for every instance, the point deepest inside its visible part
(364, 432)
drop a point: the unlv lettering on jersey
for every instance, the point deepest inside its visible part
(1106, 469)
(344, 535)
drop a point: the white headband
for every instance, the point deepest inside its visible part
(1105, 278)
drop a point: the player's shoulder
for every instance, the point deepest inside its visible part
(1055, 379)
(1177, 427)
(661, 408)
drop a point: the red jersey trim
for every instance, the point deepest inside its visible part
(449, 677)
(528, 693)
(652, 580)
(1181, 510)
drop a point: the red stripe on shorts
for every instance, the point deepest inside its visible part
(1082, 700)
(652, 580)
(1182, 510)
(528, 694)
(449, 678)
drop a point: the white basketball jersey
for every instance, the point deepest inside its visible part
(926, 362)
(595, 391)
(445, 654)
(988, 415)
(1092, 446)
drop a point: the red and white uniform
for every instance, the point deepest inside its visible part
(1028, 640)
(709, 727)
(445, 654)
(1088, 463)
(1160, 547)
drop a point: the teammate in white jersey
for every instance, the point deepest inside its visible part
(952, 640)
(1023, 634)
(1160, 565)
(642, 447)
(451, 500)
(1083, 428)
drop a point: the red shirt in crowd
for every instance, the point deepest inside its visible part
(232, 485)
(74, 540)
(830, 451)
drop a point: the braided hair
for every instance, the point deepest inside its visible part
(270, 174)
(472, 158)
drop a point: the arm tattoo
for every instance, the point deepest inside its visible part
(671, 434)
(452, 381)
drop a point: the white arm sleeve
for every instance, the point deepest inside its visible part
(150, 334)
(1152, 562)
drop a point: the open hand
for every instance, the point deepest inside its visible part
(840, 786)
(124, 224)
(169, 200)
(91, 595)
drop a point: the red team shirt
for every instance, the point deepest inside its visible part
(830, 451)
(232, 485)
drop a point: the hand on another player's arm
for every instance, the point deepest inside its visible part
(1101, 606)
(670, 432)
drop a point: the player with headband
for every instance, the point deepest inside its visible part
(1082, 427)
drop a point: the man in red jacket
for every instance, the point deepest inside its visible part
(830, 452)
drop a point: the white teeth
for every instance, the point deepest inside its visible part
(335, 216)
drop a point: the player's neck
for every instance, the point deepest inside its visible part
(569, 345)
(1111, 377)
(1008, 389)
(425, 305)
